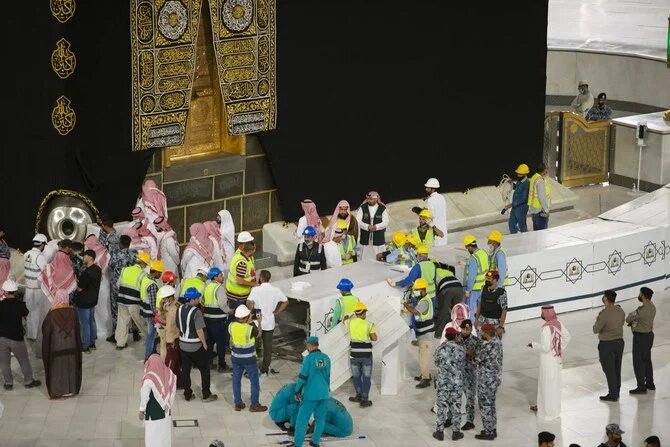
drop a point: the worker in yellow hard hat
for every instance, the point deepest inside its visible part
(424, 314)
(426, 230)
(395, 250)
(361, 333)
(498, 257)
(148, 294)
(519, 206)
(475, 271)
(539, 198)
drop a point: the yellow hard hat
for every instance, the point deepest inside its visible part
(469, 239)
(422, 250)
(496, 236)
(360, 306)
(157, 266)
(399, 238)
(426, 213)
(144, 257)
(522, 169)
(420, 283)
(413, 239)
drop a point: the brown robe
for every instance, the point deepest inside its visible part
(61, 352)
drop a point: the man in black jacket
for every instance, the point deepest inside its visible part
(86, 298)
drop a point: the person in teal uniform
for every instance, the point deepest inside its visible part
(312, 391)
(284, 407)
(338, 420)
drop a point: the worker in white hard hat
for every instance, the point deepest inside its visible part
(437, 205)
(241, 271)
(34, 262)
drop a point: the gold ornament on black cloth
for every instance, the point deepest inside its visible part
(63, 117)
(63, 61)
(62, 10)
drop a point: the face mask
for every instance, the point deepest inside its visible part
(416, 293)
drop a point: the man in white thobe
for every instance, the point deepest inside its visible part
(34, 262)
(553, 340)
(437, 205)
(332, 250)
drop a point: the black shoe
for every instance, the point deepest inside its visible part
(468, 426)
(365, 403)
(118, 348)
(111, 339)
(9, 386)
(33, 384)
(221, 368)
(188, 397)
(281, 425)
(424, 383)
(651, 388)
(273, 371)
(447, 423)
(608, 398)
(638, 390)
(92, 347)
(210, 398)
(419, 378)
(439, 435)
(355, 399)
(136, 336)
(455, 436)
(485, 436)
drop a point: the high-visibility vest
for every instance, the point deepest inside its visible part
(493, 263)
(31, 268)
(428, 272)
(129, 285)
(144, 296)
(211, 302)
(359, 332)
(482, 259)
(234, 290)
(533, 199)
(424, 321)
(242, 344)
(186, 323)
(429, 238)
(194, 282)
(347, 303)
(343, 251)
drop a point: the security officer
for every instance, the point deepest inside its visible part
(426, 231)
(498, 256)
(193, 344)
(489, 376)
(471, 343)
(361, 333)
(424, 314)
(478, 265)
(450, 362)
(641, 321)
(312, 391)
(492, 307)
(284, 407)
(242, 271)
(519, 205)
(216, 317)
(338, 420)
(243, 357)
(34, 262)
(148, 291)
(129, 299)
(609, 327)
(309, 255)
(197, 282)
(344, 306)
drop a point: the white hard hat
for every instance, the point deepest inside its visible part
(432, 183)
(244, 236)
(242, 311)
(165, 292)
(203, 269)
(10, 286)
(39, 237)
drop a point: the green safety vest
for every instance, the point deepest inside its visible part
(211, 303)
(494, 264)
(428, 272)
(482, 260)
(429, 238)
(343, 252)
(195, 282)
(232, 287)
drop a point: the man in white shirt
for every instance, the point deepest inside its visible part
(332, 250)
(373, 218)
(265, 298)
(438, 207)
(34, 262)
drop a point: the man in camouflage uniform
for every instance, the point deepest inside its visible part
(108, 237)
(450, 362)
(489, 376)
(118, 260)
(472, 344)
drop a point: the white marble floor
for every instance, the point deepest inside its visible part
(105, 413)
(618, 26)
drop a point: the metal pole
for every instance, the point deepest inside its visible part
(639, 165)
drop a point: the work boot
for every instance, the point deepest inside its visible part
(365, 403)
(455, 436)
(210, 398)
(424, 383)
(468, 426)
(355, 399)
(258, 408)
(439, 435)
(240, 407)
(485, 436)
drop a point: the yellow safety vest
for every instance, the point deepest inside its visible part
(428, 272)
(429, 238)
(533, 199)
(424, 321)
(195, 282)
(211, 302)
(343, 252)
(494, 264)
(243, 345)
(129, 285)
(232, 287)
(146, 306)
(347, 303)
(482, 260)
(359, 332)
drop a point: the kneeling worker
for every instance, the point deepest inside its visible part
(338, 420)
(284, 407)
